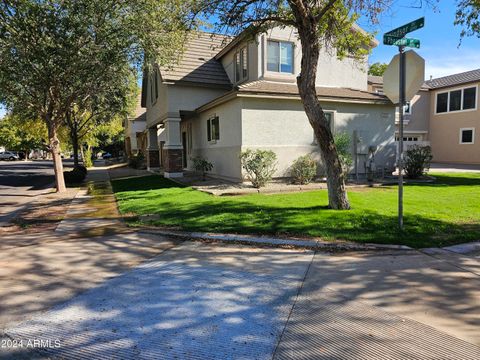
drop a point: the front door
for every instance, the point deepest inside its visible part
(184, 152)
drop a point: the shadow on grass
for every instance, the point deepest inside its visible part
(187, 209)
(367, 226)
(145, 183)
(463, 179)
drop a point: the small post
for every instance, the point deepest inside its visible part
(401, 50)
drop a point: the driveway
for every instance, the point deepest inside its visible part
(197, 300)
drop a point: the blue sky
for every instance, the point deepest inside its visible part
(439, 38)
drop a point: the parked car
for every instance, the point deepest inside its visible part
(106, 155)
(79, 156)
(8, 155)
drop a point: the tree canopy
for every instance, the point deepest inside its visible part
(468, 16)
(22, 135)
(55, 54)
(377, 69)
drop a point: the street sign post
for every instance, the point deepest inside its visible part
(397, 37)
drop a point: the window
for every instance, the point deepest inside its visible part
(467, 136)
(213, 129)
(241, 65)
(407, 108)
(280, 57)
(457, 100)
(154, 86)
(407, 138)
(329, 116)
(442, 102)
(469, 98)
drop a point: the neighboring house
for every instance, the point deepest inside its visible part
(227, 95)
(445, 115)
(135, 130)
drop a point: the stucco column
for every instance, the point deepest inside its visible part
(172, 150)
(153, 154)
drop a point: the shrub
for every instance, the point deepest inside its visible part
(417, 161)
(303, 169)
(202, 165)
(343, 144)
(137, 161)
(75, 176)
(259, 165)
(87, 161)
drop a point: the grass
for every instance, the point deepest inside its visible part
(439, 214)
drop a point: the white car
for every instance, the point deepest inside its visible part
(8, 155)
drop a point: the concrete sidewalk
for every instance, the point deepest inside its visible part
(93, 211)
(104, 291)
(199, 301)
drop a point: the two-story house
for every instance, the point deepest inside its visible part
(134, 126)
(445, 115)
(229, 94)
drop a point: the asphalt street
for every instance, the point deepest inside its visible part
(20, 183)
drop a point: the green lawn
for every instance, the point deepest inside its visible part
(439, 214)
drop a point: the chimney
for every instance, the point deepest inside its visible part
(431, 77)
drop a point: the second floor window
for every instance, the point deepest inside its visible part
(154, 86)
(280, 56)
(457, 100)
(241, 65)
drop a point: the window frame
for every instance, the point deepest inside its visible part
(279, 42)
(333, 114)
(460, 140)
(154, 91)
(213, 132)
(409, 104)
(239, 66)
(462, 89)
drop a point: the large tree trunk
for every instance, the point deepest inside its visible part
(57, 158)
(337, 194)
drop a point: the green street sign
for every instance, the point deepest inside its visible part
(408, 42)
(413, 43)
(403, 30)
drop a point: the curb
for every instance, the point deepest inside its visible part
(269, 241)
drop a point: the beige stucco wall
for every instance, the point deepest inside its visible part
(445, 133)
(282, 126)
(224, 153)
(417, 123)
(173, 98)
(331, 71)
(133, 127)
(156, 108)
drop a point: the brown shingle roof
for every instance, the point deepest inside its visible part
(270, 87)
(373, 79)
(197, 64)
(455, 79)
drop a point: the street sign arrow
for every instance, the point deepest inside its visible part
(401, 31)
